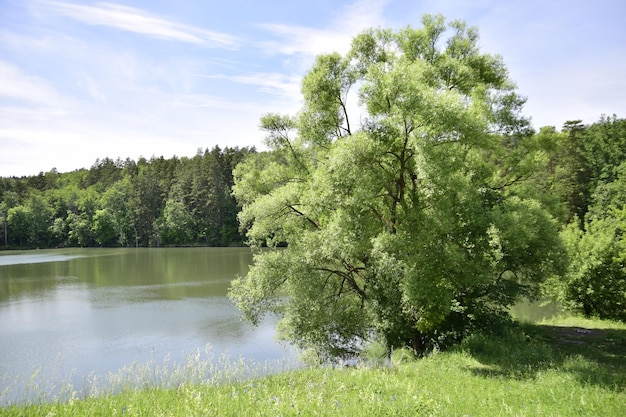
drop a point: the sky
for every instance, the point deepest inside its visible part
(85, 80)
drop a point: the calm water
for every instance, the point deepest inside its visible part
(68, 313)
(535, 311)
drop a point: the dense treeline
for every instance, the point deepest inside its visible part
(177, 201)
(587, 177)
(188, 201)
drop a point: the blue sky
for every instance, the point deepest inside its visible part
(81, 80)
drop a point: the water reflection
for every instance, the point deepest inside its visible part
(535, 311)
(30, 258)
(180, 272)
(96, 310)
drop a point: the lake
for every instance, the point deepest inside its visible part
(67, 314)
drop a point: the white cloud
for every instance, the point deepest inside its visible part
(135, 20)
(68, 96)
(267, 82)
(17, 41)
(337, 37)
(305, 41)
(585, 92)
(69, 145)
(15, 84)
(555, 56)
(200, 101)
(361, 14)
(147, 123)
(93, 88)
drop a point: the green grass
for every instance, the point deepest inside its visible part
(561, 368)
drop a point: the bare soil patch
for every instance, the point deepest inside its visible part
(577, 335)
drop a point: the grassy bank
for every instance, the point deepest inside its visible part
(562, 368)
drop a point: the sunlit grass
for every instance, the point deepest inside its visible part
(529, 370)
(199, 368)
(578, 321)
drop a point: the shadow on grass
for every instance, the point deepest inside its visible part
(592, 356)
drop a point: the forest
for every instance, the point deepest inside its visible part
(126, 203)
(188, 201)
(578, 174)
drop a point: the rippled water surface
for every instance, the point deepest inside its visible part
(68, 313)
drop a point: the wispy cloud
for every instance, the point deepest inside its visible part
(17, 85)
(200, 101)
(135, 20)
(92, 87)
(304, 40)
(267, 82)
(361, 14)
(348, 22)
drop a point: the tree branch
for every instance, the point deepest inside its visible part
(347, 277)
(298, 212)
(345, 113)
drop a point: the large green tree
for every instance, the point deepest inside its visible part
(393, 217)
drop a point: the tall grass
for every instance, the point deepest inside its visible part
(527, 370)
(198, 368)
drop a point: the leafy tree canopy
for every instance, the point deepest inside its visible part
(386, 202)
(595, 282)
